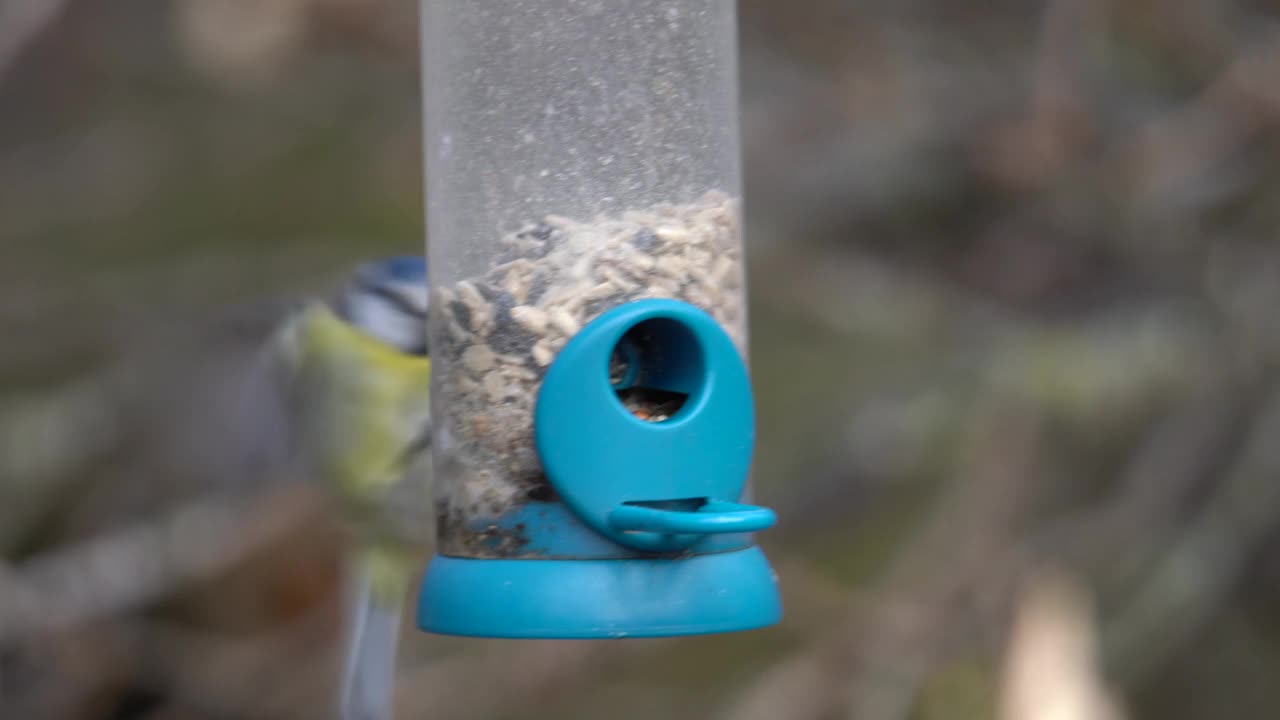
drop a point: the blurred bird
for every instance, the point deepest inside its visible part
(356, 369)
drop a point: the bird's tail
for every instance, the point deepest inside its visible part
(372, 637)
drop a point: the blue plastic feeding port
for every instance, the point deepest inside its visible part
(645, 427)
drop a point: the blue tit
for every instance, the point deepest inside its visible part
(358, 372)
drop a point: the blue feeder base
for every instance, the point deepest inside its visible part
(563, 599)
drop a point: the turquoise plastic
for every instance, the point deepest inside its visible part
(582, 599)
(647, 535)
(599, 456)
(711, 518)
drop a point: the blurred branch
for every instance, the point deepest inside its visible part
(21, 22)
(1200, 567)
(1051, 669)
(506, 676)
(1067, 28)
(130, 568)
(44, 439)
(239, 675)
(871, 667)
(956, 554)
(1171, 158)
(1175, 457)
(1038, 146)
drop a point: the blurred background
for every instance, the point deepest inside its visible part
(1014, 289)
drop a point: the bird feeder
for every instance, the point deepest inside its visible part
(593, 411)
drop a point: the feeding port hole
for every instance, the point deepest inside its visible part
(656, 369)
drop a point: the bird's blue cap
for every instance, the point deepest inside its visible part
(405, 269)
(388, 299)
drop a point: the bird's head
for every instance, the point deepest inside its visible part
(387, 299)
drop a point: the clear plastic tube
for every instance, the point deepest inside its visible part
(580, 154)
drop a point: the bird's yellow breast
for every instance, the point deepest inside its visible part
(366, 403)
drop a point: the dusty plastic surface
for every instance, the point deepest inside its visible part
(580, 154)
